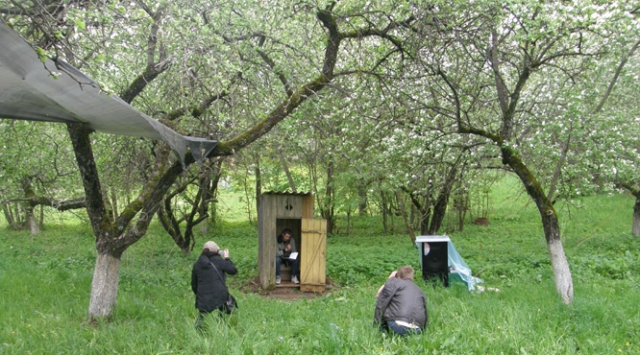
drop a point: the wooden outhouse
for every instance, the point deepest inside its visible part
(280, 210)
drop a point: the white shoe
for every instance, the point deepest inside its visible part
(294, 279)
(278, 279)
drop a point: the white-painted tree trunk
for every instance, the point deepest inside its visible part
(32, 221)
(104, 287)
(561, 271)
(635, 229)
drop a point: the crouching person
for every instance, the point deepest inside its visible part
(208, 280)
(401, 306)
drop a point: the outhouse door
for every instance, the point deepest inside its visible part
(313, 255)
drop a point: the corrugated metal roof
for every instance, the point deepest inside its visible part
(287, 193)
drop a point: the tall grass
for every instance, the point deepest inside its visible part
(45, 284)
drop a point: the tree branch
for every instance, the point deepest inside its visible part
(615, 77)
(100, 219)
(153, 69)
(278, 72)
(12, 11)
(60, 205)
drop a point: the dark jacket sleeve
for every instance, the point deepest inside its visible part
(227, 266)
(384, 298)
(194, 281)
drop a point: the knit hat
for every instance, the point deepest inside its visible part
(213, 247)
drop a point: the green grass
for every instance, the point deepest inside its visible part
(45, 284)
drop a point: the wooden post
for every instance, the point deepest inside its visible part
(266, 242)
(307, 207)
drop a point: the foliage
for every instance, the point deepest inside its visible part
(409, 79)
(45, 289)
(45, 157)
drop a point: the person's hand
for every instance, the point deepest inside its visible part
(393, 274)
(288, 247)
(225, 253)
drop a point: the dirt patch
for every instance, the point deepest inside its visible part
(284, 292)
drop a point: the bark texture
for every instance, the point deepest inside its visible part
(173, 219)
(104, 287)
(327, 207)
(440, 207)
(635, 192)
(285, 167)
(561, 271)
(29, 208)
(559, 263)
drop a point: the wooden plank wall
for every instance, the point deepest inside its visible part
(266, 242)
(287, 206)
(307, 207)
(313, 255)
(276, 212)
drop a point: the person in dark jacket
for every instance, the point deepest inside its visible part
(401, 306)
(284, 247)
(208, 285)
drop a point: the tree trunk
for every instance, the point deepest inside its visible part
(412, 216)
(362, 204)
(114, 203)
(104, 287)
(384, 211)
(440, 207)
(421, 210)
(425, 216)
(8, 215)
(247, 196)
(285, 167)
(169, 223)
(392, 215)
(462, 214)
(257, 172)
(328, 212)
(559, 263)
(17, 216)
(403, 211)
(348, 221)
(460, 203)
(208, 207)
(172, 218)
(32, 222)
(635, 229)
(439, 211)
(207, 198)
(30, 219)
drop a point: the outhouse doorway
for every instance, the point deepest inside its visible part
(280, 210)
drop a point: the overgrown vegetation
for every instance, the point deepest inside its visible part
(45, 283)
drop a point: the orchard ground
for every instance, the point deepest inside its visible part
(45, 283)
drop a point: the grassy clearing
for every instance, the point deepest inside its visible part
(45, 283)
